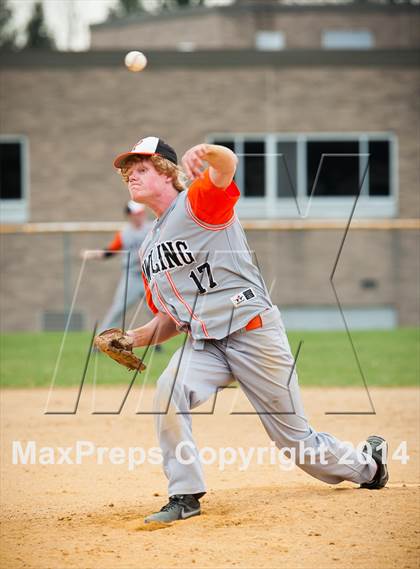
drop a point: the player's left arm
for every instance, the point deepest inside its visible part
(221, 160)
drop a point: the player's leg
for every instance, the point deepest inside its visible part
(190, 379)
(262, 362)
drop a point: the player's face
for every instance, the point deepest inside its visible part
(144, 182)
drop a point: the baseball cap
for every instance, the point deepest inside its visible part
(149, 146)
(134, 207)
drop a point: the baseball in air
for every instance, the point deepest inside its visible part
(135, 61)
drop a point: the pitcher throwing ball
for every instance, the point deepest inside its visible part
(200, 278)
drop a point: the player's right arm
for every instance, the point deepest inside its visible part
(115, 245)
(157, 331)
(221, 160)
(213, 193)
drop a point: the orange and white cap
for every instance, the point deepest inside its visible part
(149, 146)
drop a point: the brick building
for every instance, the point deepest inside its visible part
(283, 86)
(267, 26)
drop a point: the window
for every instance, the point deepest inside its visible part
(269, 40)
(379, 166)
(316, 174)
(347, 39)
(13, 179)
(254, 167)
(286, 168)
(332, 168)
(186, 46)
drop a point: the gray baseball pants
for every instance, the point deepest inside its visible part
(262, 362)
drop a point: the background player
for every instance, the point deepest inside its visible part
(129, 241)
(200, 278)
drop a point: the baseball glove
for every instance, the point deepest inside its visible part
(118, 346)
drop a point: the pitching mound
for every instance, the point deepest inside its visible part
(90, 514)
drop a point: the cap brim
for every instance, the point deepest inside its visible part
(121, 158)
(136, 207)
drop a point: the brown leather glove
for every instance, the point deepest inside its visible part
(118, 346)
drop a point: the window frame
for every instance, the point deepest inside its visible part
(17, 210)
(273, 206)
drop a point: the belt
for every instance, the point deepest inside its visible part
(254, 323)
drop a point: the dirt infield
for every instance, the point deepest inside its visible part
(90, 515)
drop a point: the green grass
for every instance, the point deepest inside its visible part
(387, 358)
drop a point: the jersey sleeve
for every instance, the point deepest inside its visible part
(211, 204)
(116, 244)
(149, 299)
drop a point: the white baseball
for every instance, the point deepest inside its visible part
(135, 61)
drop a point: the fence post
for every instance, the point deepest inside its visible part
(67, 272)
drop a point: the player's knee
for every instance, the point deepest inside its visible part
(169, 392)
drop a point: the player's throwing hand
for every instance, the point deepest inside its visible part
(193, 160)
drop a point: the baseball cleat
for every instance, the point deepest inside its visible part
(379, 455)
(179, 507)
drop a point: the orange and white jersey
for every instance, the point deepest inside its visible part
(197, 267)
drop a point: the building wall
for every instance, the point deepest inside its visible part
(74, 133)
(295, 265)
(211, 31)
(226, 30)
(389, 29)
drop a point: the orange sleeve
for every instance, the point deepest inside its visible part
(116, 244)
(149, 299)
(211, 204)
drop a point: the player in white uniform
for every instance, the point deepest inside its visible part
(200, 278)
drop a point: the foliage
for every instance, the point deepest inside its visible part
(37, 33)
(126, 8)
(174, 4)
(7, 35)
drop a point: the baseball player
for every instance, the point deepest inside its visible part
(200, 278)
(128, 240)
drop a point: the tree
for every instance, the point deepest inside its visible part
(37, 34)
(175, 4)
(7, 35)
(131, 6)
(126, 8)
(183, 3)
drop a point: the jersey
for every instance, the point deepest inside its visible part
(197, 266)
(129, 240)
